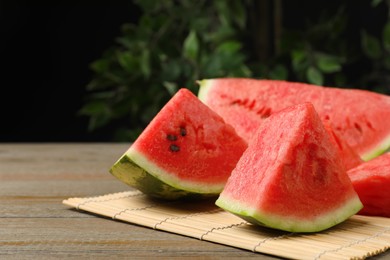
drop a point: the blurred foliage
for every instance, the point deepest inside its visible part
(176, 43)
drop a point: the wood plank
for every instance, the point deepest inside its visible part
(61, 188)
(35, 178)
(99, 237)
(52, 160)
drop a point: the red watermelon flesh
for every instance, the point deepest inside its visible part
(291, 176)
(361, 118)
(186, 148)
(348, 156)
(371, 181)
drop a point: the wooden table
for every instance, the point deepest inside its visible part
(36, 178)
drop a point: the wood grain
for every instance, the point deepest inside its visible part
(36, 178)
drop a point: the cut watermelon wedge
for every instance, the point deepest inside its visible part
(371, 181)
(187, 150)
(291, 176)
(348, 156)
(359, 117)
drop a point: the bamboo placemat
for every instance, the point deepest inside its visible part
(357, 238)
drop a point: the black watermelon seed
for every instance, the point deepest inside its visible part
(174, 148)
(183, 131)
(171, 137)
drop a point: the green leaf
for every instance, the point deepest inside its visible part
(171, 70)
(279, 72)
(328, 64)
(221, 34)
(223, 12)
(100, 66)
(243, 71)
(99, 113)
(314, 76)
(127, 60)
(371, 46)
(239, 13)
(97, 121)
(146, 5)
(298, 60)
(191, 46)
(126, 135)
(229, 47)
(211, 66)
(386, 36)
(375, 3)
(171, 87)
(200, 24)
(145, 63)
(94, 108)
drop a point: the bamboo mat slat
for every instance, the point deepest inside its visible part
(357, 238)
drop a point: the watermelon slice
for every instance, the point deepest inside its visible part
(291, 176)
(371, 181)
(185, 151)
(359, 117)
(348, 156)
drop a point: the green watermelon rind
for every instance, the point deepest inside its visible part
(137, 171)
(287, 222)
(382, 148)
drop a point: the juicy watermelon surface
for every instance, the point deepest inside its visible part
(187, 146)
(371, 181)
(359, 117)
(348, 156)
(291, 176)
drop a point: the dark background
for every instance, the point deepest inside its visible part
(45, 51)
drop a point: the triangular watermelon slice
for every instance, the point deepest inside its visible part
(291, 176)
(187, 150)
(361, 118)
